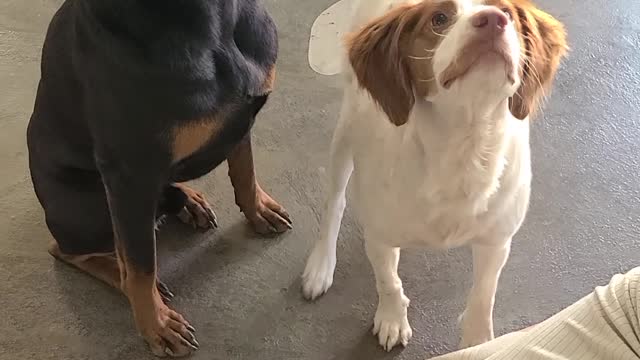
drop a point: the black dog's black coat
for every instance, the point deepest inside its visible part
(119, 77)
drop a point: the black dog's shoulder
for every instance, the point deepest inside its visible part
(169, 61)
(228, 44)
(119, 75)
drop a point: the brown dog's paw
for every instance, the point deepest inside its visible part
(267, 216)
(197, 211)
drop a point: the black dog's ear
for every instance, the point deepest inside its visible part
(544, 44)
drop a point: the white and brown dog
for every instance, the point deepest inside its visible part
(434, 128)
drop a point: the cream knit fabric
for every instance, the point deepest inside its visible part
(603, 325)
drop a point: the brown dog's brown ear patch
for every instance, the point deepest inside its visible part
(543, 42)
(380, 65)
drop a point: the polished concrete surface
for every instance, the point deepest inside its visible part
(242, 292)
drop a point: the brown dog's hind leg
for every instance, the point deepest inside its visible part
(264, 213)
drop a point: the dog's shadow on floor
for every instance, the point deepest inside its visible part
(93, 310)
(185, 255)
(368, 349)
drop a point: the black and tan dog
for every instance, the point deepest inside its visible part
(136, 97)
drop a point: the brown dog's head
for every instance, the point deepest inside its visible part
(458, 49)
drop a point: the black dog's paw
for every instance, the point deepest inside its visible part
(266, 215)
(161, 220)
(197, 212)
(164, 291)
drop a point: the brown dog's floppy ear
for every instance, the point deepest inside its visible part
(543, 42)
(377, 56)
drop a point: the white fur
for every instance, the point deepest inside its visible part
(458, 173)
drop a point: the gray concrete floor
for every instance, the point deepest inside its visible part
(241, 292)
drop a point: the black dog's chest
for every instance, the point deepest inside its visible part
(232, 129)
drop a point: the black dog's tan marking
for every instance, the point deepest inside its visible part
(270, 81)
(163, 328)
(137, 97)
(189, 138)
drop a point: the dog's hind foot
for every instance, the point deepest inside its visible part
(103, 266)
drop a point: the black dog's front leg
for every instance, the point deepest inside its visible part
(133, 193)
(189, 205)
(264, 213)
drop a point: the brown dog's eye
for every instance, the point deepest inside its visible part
(439, 19)
(507, 12)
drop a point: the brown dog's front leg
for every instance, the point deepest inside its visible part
(264, 213)
(133, 198)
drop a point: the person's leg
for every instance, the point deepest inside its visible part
(484, 351)
(603, 325)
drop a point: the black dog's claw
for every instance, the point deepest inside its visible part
(166, 294)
